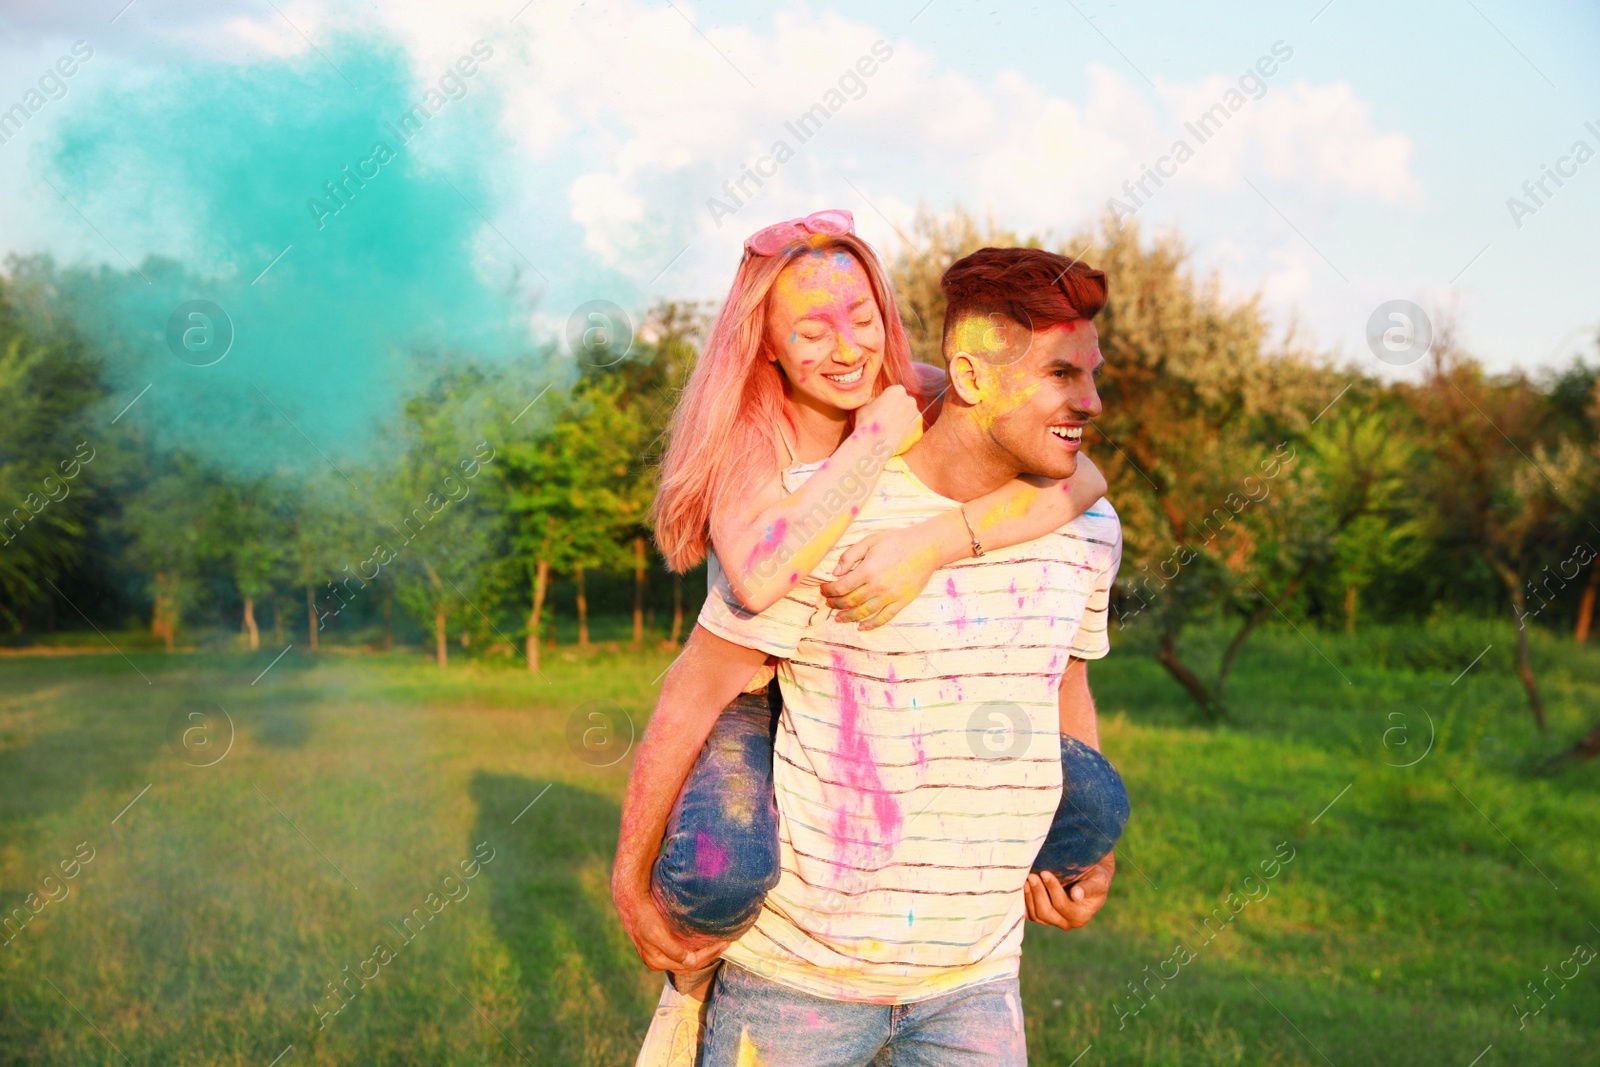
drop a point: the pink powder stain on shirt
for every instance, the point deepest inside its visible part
(855, 766)
(960, 621)
(710, 858)
(922, 755)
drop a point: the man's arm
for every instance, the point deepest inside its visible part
(1076, 704)
(710, 673)
(1047, 900)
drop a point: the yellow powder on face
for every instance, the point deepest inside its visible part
(815, 281)
(824, 288)
(1002, 394)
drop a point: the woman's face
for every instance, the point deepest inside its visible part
(826, 329)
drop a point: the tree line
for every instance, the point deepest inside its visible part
(1260, 482)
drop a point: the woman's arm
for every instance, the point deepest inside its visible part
(770, 541)
(884, 572)
(709, 674)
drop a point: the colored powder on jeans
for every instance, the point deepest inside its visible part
(710, 858)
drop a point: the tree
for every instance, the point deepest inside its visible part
(46, 386)
(936, 241)
(446, 538)
(251, 532)
(647, 388)
(574, 485)
(1575, 410)
(170, 525)
(1489, 451)
(1212, 456)
(313, 547)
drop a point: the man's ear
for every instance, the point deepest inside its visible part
(966, 376)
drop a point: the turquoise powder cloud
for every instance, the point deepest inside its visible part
(223, 167)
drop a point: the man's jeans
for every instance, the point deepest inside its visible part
(752, 1020)
(720, 854)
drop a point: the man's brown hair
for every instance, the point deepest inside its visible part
(1031, 287)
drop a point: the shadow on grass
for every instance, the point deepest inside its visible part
(88, 728)
(588, 998)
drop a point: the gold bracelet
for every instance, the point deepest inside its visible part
(977, 546)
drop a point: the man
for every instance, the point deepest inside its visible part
(907, 836)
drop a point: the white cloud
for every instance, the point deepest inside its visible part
(621, 121)
(653, 121)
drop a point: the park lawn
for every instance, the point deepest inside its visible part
(219, 909)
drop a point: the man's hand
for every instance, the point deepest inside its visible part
(1048, 901)
(658, 945)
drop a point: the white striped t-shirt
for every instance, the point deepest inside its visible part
(917, 765)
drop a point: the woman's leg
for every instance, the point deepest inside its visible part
(1090, 817)
(720, 853)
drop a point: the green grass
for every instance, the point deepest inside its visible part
(219, 906)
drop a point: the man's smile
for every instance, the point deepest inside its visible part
(1070, 432)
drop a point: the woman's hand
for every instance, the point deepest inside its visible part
(658, 945)
(880, 574)
(896, 413)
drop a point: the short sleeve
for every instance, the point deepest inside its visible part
(1102, 530)
(776, 631)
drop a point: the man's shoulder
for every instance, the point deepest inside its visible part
(1099, 527)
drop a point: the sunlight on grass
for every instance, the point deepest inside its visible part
(231, 908)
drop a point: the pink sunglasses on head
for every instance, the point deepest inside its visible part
(775, 238)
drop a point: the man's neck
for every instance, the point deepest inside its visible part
(957, 459)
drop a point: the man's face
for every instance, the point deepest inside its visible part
(1035, 407)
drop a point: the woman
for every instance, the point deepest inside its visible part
(805, 388)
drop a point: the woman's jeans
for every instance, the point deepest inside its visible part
(719, 857)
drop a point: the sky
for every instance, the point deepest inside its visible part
(1361, 153)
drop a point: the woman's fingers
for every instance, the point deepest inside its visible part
(851, 556)
(842, 587)
(884, 616)
(864, 609)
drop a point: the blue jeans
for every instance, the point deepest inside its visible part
(720, 853)
(752, 1020)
